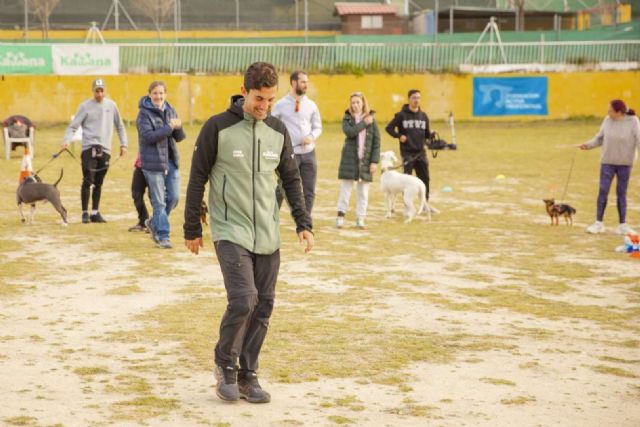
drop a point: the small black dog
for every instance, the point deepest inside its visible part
(556, 209)
(32, 191)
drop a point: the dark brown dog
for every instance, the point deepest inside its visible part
(32, 191)
(204, 212)
(555, 210)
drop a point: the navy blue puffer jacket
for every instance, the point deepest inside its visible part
(155, 136)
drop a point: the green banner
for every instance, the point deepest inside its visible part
(25, 59)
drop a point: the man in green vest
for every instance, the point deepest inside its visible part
(240, 152)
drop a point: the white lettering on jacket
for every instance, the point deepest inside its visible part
(270, 155)
(238, 153)
(414, 124)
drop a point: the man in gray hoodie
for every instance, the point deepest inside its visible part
(97, 116)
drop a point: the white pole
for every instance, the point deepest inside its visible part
(437, 12)
(117, 13)
(297, 14)
(237, 14)
(26, 19)
(306, 21)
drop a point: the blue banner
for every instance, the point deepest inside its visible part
(510, 96)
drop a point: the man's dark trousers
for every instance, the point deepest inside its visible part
(250, 281)
(308, 167)
(95, 163)
(420, 165)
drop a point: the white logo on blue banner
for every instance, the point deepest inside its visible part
(510, 96)
(74, 60)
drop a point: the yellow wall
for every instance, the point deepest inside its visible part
(47, 99)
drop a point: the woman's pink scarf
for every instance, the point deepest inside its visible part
(362, 136)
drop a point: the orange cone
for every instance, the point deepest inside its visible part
(26, 169)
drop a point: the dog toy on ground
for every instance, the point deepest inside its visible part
(631, 245)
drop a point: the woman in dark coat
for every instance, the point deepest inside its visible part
(359, 159)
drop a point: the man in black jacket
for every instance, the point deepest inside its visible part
(239, 152)
(411, 127)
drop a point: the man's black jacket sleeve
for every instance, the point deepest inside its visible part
(202, 161)
(292, 184)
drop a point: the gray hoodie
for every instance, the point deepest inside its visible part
(97, 120)
(620, 140)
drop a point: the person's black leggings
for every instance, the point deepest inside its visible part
(138, 187)
(95, 164)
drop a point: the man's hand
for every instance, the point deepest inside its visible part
(403, 138)
(307, 140)
(175, 123)
(123, 150)
(65, 145)
(373, 167)
(306, 237)
(194, 245)
(583, 147)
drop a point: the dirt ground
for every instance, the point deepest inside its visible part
(486, 316)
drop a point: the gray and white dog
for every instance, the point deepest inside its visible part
(32, 191)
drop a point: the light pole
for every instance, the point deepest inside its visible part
(26, 20)
(306, 22)
(237, 14)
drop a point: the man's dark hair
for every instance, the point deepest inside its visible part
(259, 75)
(412, 91)
(296, 75)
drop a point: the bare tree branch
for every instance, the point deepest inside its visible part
(42, 9)
(157, 10)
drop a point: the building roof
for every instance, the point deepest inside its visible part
(364, 9)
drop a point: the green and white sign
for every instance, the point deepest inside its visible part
(25, 59)
(74, 60)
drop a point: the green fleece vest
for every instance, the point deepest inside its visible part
(243, 184)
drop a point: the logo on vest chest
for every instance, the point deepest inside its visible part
(238, 153)
(270, 155)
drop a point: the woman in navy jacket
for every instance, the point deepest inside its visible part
(159, 129)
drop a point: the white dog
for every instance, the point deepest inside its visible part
(393, 182)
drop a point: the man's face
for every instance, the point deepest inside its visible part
(414, 100)
(258, 102)
(98, 94)
(300, 85)
(157, 95)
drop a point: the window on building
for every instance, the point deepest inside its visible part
(371, 21)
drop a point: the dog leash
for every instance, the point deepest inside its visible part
(53, 157)
(569, 177)
(404, 163)
(56, 155)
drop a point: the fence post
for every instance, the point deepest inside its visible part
(542, 48)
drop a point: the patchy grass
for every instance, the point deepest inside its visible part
(518, 400)
(89, 371)
(22, 420)
(340, 420)
(124, 290)
(142, 408)
(362, 298)
(611, 370)
(498, 381)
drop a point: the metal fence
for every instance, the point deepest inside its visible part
(364, 57)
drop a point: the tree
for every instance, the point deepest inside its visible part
(158, 10)
(519, 6)
(42, 9)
